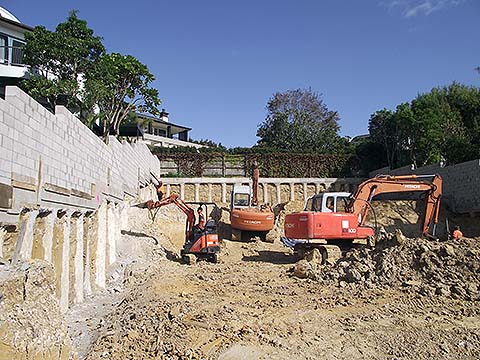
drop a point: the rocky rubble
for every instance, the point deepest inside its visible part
(31, 325)
(450, 268)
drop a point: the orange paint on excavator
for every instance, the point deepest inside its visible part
(328, 231)
(246, 215)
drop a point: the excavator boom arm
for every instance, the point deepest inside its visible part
(187, 210)
(255, 178)
(360, 203)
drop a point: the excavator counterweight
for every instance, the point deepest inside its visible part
(246, 215)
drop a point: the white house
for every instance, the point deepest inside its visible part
(160, 132)
(12, 39)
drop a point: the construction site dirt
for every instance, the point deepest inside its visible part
(407, 299)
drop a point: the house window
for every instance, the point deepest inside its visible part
(17, 52)
(11, 50)
(3, 49)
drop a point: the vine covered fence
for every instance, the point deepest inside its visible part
(285, 165)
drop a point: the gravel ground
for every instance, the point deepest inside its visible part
(251, 306)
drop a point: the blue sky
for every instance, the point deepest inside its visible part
(217, 62)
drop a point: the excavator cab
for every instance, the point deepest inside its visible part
(240, 196)
(328, 202)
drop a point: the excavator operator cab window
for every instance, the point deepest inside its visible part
(330, 203)
(342, 203)
(309, 204)
(241, 200)
(317, 203)
(314, 203)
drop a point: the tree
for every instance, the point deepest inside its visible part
(367, 156)
(59, 59)
(299, 121)
(441, 125)
(383, 130)
(119, 85)
(465, 102)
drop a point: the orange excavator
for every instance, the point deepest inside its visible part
(329, 231)
(247, 217)
(201, 240)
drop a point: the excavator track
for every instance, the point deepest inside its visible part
(189, 259)
(330, 253)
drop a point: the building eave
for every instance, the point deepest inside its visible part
(166, 123)
(17, 24)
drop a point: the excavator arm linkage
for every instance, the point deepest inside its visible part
(175, 199)
(382, 184)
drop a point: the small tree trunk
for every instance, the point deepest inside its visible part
(105, 132)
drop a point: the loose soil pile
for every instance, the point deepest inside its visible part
(423, 266)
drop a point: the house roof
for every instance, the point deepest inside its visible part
(8, 18)
(174, 127)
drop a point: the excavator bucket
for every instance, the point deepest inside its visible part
(142, 205)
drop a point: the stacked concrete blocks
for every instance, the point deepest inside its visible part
(47, 158)
(63, 189)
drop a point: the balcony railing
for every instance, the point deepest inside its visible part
(11, 55)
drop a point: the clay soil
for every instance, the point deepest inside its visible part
(251, 306)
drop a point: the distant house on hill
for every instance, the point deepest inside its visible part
(159, 131)
(12, 39)
(359, 138)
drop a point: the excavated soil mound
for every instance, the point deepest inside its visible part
(449, 268)
(395, 214)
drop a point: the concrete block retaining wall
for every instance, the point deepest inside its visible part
(63, 190)
(461, 183)
(271, 190)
